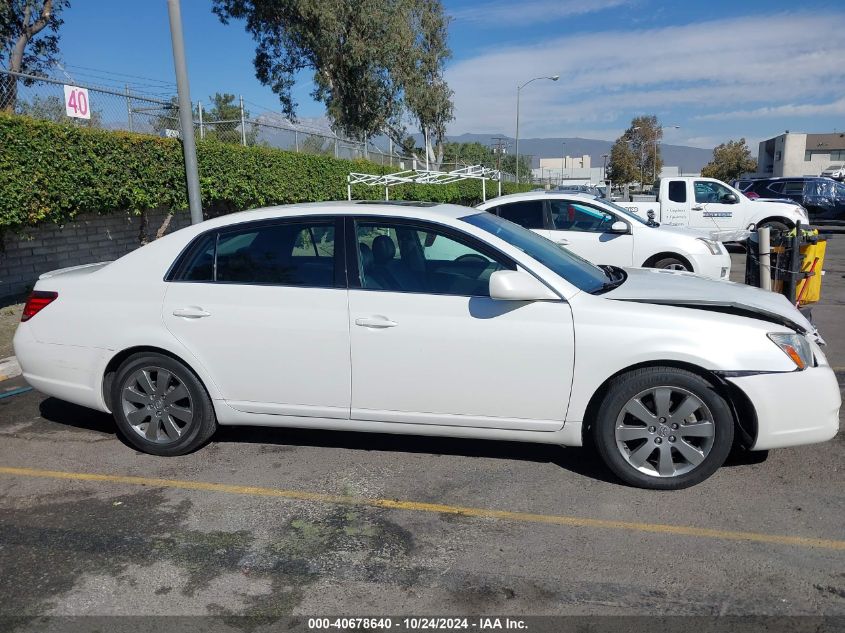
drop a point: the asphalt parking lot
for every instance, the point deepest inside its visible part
(273, 523)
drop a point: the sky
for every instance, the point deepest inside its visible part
(717, 69)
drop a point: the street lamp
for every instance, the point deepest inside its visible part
(518, 89)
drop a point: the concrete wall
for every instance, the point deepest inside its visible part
(90, 238)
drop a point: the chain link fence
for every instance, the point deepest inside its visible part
(112, 109)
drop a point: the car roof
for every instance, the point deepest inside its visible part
(536, 195)
(391, 208)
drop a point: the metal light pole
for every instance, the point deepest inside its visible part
(186, 118)
(563, 163)
(518, 89)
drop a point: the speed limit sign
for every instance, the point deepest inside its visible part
(76, 102)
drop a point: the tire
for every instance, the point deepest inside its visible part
(635, 448)
(774, 226)
(172, 418)
(671, 263)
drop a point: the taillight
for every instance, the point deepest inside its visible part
(38, 300)
(751, 195)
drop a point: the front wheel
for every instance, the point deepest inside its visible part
(776, 226)
(160, 406)
(672, 263)
(663, 428)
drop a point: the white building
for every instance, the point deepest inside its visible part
(794, 154)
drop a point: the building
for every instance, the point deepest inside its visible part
(794, 154)
(577, 171)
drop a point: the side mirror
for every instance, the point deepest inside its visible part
(730, 198)
(619, 227)
(515, 285)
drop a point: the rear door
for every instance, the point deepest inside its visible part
(675, 202)
(263, 307)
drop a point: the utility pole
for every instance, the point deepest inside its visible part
(186, 117)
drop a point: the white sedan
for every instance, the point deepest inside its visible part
(606, 233)
(426, 319)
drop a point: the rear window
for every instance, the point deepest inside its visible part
(793, 187)
(528, 213)
(677, 191)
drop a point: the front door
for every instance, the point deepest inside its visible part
(584, 229)
(711, 209)
(430, 346)
(263, 307)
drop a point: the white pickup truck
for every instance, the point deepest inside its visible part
(712, 207)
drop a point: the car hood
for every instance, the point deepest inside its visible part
(682, 289)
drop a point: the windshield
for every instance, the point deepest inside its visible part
(833, 167)
(572, 268)
(628, 213)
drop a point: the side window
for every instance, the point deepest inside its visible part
(707, 191)
(575, 216)
(407, 258)
(677, 191)
(777, 187)
(287, 254)
(528, 213)
(793, 188)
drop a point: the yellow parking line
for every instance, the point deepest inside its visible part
(418, 506)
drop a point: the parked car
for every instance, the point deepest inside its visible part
(706, 203)
(824, 198)
(836, 171)
(606, 233)
(339, 316)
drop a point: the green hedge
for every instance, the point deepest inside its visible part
(51, 173)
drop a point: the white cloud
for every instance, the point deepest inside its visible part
(509, 12)
(691, 71)
(790, 110)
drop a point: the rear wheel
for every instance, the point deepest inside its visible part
(671, 263)
(160, 406)
(663, 428)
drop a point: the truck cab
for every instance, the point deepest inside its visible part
(712, 206)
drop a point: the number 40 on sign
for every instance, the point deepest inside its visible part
(76, 102)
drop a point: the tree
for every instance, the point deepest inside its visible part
(29, 41)
(508, 166)
(377, 63)
(468, 154)
(622, 165)
(730, 160)
(227, 112)
(635, 156)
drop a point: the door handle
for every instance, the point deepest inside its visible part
(698, 208)
(191, 313)
(376, 322)
(563, 242)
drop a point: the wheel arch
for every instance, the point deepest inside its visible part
(744, 414)
(117, 360)
(776, 218)
(651, 261)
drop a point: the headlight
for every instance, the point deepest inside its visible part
(795, 346)
(713, 245)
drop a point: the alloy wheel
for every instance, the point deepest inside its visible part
(157, 404)
(665, 431)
